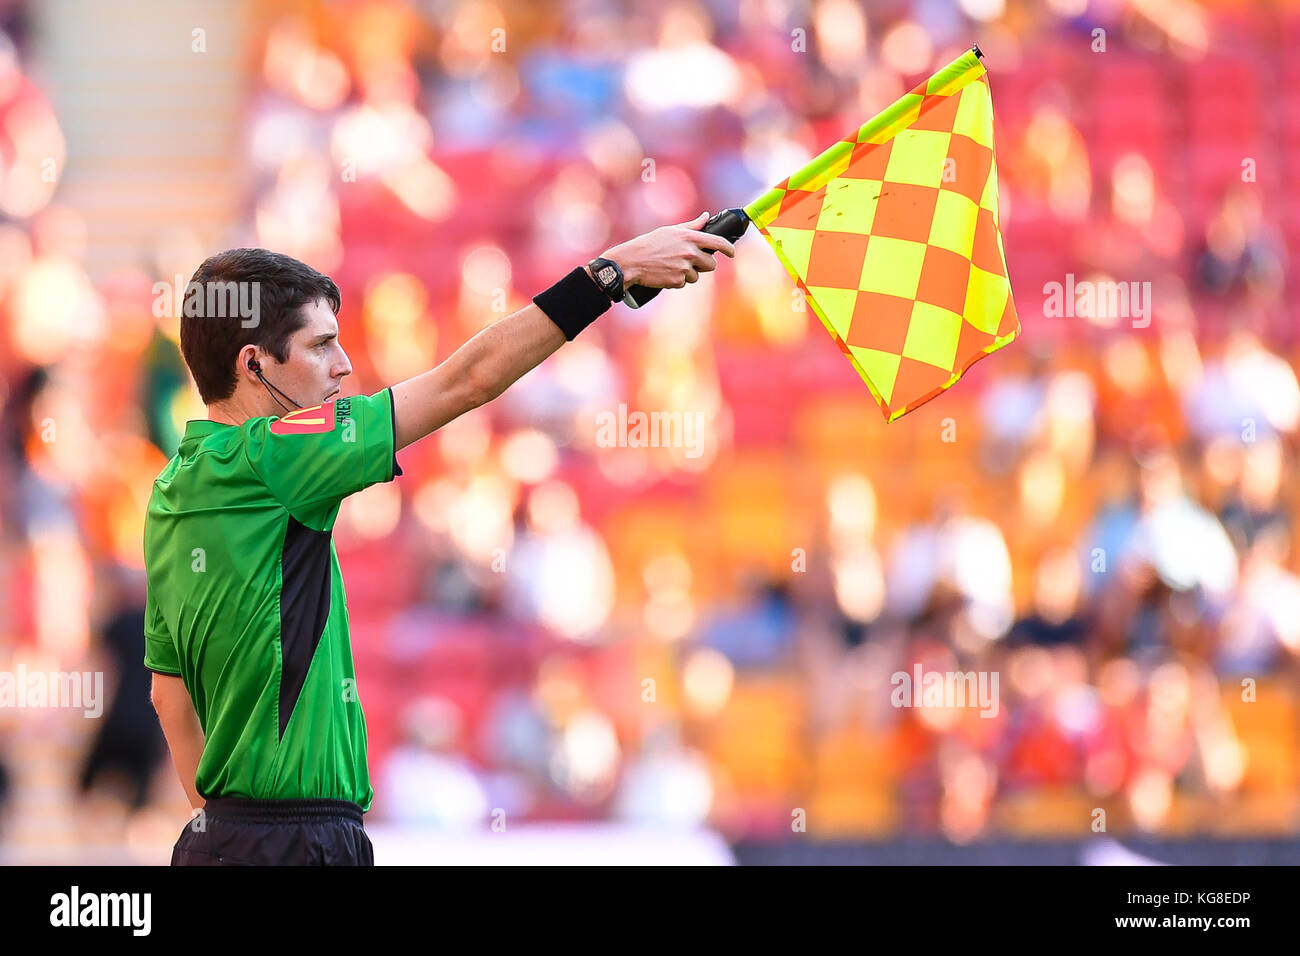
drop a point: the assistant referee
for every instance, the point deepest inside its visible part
(246, 627)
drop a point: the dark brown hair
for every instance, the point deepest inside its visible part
(281, 285)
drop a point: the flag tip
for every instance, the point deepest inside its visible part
(978, 52)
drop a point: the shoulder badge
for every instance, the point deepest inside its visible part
(306, 421)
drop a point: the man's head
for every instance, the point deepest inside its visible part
(292, 333)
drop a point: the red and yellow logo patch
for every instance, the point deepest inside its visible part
(306, 421)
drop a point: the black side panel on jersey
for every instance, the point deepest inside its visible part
(304, 608)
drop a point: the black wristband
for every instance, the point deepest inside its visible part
(573, 303)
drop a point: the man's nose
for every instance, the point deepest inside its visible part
(343, 367)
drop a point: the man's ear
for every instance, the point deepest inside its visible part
(247, 363)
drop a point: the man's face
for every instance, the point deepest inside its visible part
(316, 365)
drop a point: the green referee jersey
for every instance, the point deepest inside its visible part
(245, 597)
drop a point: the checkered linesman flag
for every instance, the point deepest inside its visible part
(893, 236)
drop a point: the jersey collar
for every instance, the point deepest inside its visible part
(197, 429)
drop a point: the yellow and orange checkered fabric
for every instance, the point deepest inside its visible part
(893, 235)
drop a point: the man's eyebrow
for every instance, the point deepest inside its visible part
(326, 336)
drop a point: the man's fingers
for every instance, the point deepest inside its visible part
(699, 220)
(706, 240)
(692, 275)
(702, 261)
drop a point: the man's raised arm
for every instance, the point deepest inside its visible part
(496, 357)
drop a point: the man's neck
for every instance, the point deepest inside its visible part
(218, 413)
(233, 411)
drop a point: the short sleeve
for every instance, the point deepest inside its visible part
(320, 455)
(159, 648)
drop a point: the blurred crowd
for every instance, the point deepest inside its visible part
(548, 625)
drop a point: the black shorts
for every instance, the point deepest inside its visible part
(234, 831)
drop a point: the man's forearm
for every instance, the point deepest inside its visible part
(477, 372)
(507, 349)
(185, 741)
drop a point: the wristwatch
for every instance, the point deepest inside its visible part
(609, 277)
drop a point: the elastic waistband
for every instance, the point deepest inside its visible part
(281, 811)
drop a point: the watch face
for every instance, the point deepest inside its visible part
(607, 275)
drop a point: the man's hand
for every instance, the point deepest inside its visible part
(670, 256)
